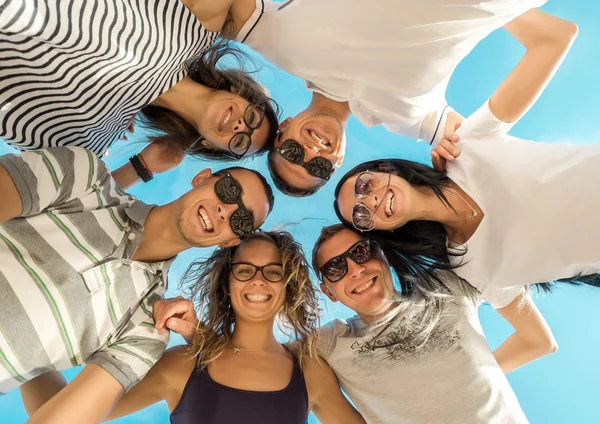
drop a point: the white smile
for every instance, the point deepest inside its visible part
(205, 220)
(319, 139)
(226, 118)
(389, 203)
(361, 289)
(257, 297)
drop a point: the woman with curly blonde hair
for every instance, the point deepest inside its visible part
(234, 370)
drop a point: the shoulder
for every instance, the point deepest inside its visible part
(327, 335)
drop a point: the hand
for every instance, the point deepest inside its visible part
(161, 157)
(176, 314)
(130, 128)
(445, 151)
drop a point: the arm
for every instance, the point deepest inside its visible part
(87, 399)
(547, 40)
(532, 338)
(325, 396)
(11, 205)
(212, 14)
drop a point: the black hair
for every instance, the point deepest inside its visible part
(205, 69)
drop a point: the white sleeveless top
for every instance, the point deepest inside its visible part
(541, 203)
(76, 73)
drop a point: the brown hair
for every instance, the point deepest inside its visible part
(298, 318)
(183, 137)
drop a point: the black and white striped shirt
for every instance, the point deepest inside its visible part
(75, 73)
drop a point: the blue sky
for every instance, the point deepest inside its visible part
(558, 389)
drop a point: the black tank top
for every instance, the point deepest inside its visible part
(204, 401)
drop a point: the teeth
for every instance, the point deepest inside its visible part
(206, 222)
(366, 286)
(227, 117)
(258, 297)
(389, 202)
(318, 138)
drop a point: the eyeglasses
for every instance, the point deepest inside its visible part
(229, 191)
(337, 267)
(366, 183)
(245, 271)
(241, 142)
(293, 152)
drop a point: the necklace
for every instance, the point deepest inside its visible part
(239, 349)
(474, 213)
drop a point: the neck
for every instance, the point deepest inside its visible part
(187, 98)
(370, 319)
(428, 207)
(241, 11)
(251, 335)
(160, 237)
(324, 105)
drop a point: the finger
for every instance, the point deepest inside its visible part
(184, 328)
(457, 126)
(172, 308)
(124, 138)
(450, 149)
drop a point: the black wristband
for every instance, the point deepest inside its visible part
(140, 169)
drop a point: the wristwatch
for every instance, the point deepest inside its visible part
(140, 169)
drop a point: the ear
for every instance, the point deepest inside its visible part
(234, 90)
(230, 243)
(285, 123)
(328, 292)
(339, 162)
(201, 176)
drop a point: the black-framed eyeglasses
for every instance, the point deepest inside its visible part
(366, 183)
(245, 271)
(239, 144)
(293, 152)
(360, 252)
(229, 191)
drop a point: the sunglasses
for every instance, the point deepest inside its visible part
(245, 271)
(337, 267)
(366, 183)
(241, 142)
(229, 191)
(293, 152)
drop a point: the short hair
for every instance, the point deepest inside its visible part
(326, 233)
(263, 180)
(282, 185)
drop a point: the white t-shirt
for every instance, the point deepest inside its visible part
(541, 203)
(452, 379)
(390, 59)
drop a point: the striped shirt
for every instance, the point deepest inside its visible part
(69, 291)
(76, 73)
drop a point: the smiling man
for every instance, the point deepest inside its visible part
(82, 263)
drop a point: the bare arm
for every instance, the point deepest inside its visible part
(211, 13)
(87, 399)
(325, 396)
(532, 338)
(547, 40)
(35, 393)
(11, 205)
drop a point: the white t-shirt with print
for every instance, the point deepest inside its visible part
(541, 203)
(452, 379)
(390, 59)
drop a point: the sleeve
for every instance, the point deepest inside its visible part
(131, 354)
(50, 177)
(500, 297)
(483, 124)
(428, 128)
(326, 339)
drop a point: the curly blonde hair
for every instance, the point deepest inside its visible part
(209, 288)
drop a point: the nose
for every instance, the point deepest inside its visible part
(239, 125)
(225, 210)
(310, 152)
(354, 269)
(258, 280)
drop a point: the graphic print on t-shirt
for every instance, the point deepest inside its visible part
(400, 341)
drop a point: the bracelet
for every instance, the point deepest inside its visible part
(140, 169)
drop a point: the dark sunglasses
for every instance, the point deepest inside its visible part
(337, 267)
(366, 183)
(245, 271)
(293, 152)
(229, 191)
(241, 142)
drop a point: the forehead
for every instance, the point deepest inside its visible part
(336, 245)
(258, 251)
(254, 196)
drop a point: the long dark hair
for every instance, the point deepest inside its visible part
(209, 290)
(418, 250)
(205, 69)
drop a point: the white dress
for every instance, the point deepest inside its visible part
(76, 73)
(541, 203)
